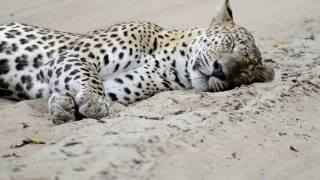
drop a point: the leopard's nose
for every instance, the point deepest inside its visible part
(218, 71)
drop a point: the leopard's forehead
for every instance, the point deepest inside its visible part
(230, 38)
(237, 34)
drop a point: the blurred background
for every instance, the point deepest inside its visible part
(260, 16)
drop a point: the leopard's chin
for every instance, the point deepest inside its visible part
(215, 84)
(204, 83)
(211, 84)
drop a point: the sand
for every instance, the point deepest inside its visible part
(259, 132)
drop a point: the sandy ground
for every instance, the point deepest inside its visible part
(259, 132)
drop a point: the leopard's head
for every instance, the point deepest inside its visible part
(225, 55)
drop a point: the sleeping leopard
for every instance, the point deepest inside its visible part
(80, 74)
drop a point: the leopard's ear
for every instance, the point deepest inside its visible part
(223, 14)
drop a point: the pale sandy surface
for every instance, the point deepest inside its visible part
(257, 132)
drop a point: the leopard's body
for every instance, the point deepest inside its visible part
(125, 63)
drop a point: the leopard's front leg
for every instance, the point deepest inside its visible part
(75, 88)
(141, 83)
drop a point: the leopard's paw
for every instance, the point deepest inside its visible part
(62, 109)
(92, 105)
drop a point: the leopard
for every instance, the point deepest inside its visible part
(81, 74)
